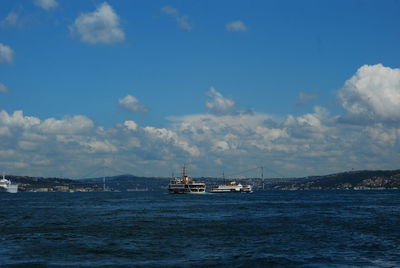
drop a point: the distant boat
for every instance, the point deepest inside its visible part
(7, 187)
(232, 187)
(186, 185)
(138, 190)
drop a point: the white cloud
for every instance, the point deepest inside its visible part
(220, 146)
(17, 119)
(46, 4)
(382, 134)
(236, 26)
(77, 124)
(169, 10)
(169, 137)
(217, 104)
(232, 134)
(308, 126)
(372, 94)
(132, 104)
(11, 20)
(182, 20)
(3, 88)
(4, 131)
(6, 54)
(270, 134)
(215, 123)
(131, 125)
(27, 145)
(96, 146)
(98, 27)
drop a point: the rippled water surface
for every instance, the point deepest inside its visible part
(271, 228)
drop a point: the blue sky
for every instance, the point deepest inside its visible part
(301, 87)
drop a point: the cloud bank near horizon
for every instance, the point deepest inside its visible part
(312, 143)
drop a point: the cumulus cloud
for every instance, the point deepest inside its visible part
(97, 146)
(77, 124)
(17, 119)
(46, 4)
(182, 20)
(6, 54)
(311, 143)
(131, 125)
(3, 88)
(98, 27)
(218, 104)
(372, 94)
(73, 145)
(383, 134)
(166, 137)
(33, 145)
(236, 26)
(308, 126)
(237, 133)
(131, 103)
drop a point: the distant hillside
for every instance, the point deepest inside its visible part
(129, 183)
(358, 180)
(40, 184)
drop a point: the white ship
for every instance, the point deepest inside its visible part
(8, 187)
(232, 187)
(186, 185)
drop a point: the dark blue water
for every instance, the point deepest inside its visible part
(272, 228)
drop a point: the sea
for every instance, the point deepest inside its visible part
(157, 229)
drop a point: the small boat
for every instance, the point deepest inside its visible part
(186, 185)
(7, 187)
(232, 187)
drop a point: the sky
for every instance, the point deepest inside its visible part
(143, 87)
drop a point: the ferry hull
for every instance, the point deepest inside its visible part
(182, 190)
(11, 188)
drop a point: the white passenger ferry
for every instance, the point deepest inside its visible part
(6, 186)
(232, 187)
(186, 185)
